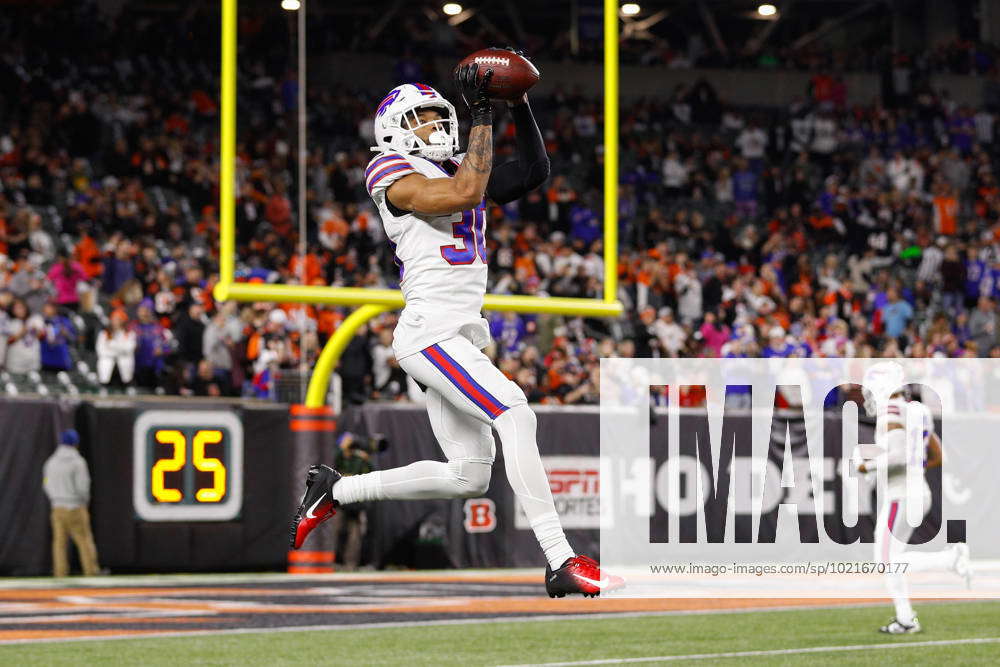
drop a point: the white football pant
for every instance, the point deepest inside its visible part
(466, 396)
(892, 533)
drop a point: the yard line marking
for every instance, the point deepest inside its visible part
(436, 622)
(753, 654)
(152, 634)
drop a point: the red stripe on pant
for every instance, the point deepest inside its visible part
(892, 520)
(491, 408)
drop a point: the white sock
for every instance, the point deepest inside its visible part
(899, 591)
(423, 480)
(358, 488)
(526, 475)
(552, 539)
(904, 611)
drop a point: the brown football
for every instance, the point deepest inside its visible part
(513, 75)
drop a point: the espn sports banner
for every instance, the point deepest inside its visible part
(799, 477)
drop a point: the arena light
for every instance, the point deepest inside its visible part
(290, 5)
(631, 9)
(452, 8)
(767, 10)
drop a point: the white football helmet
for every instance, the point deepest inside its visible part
(396, 119)
(881, 380)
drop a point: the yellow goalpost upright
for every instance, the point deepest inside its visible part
(372, 302)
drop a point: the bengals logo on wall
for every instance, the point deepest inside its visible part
(480, 515)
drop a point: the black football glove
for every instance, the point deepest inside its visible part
(472, 88)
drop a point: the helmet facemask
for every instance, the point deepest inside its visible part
(396, 130)
(443, 140)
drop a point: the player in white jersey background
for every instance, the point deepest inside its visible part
(908, 439)
(433, 206)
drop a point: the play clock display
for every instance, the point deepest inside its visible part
(187, 465)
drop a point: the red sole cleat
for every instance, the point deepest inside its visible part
(318, 504)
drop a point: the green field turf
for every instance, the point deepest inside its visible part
(576, 640)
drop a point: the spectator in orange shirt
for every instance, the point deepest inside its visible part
(313, 266)
(524, 266)
(328, 319)
(333, 228)
(945, 209)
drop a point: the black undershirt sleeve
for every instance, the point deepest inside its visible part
(512, 180)
(395, 210)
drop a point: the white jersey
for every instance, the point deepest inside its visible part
(896, 414)
(907, 446)
(441, 259)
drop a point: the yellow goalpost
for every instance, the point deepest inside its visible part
(372, 302)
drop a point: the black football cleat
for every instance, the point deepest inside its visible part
(580, 574)
(318, 503)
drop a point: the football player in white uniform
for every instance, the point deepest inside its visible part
(433, 206)
(908, 439)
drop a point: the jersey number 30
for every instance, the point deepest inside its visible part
(472, 230)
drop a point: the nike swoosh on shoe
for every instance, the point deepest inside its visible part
(309, 512)
(602, 584)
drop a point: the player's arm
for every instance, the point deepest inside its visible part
(512, 180)
(441, 196)
(933, 451)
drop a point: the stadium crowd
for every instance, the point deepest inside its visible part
(816, 230)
